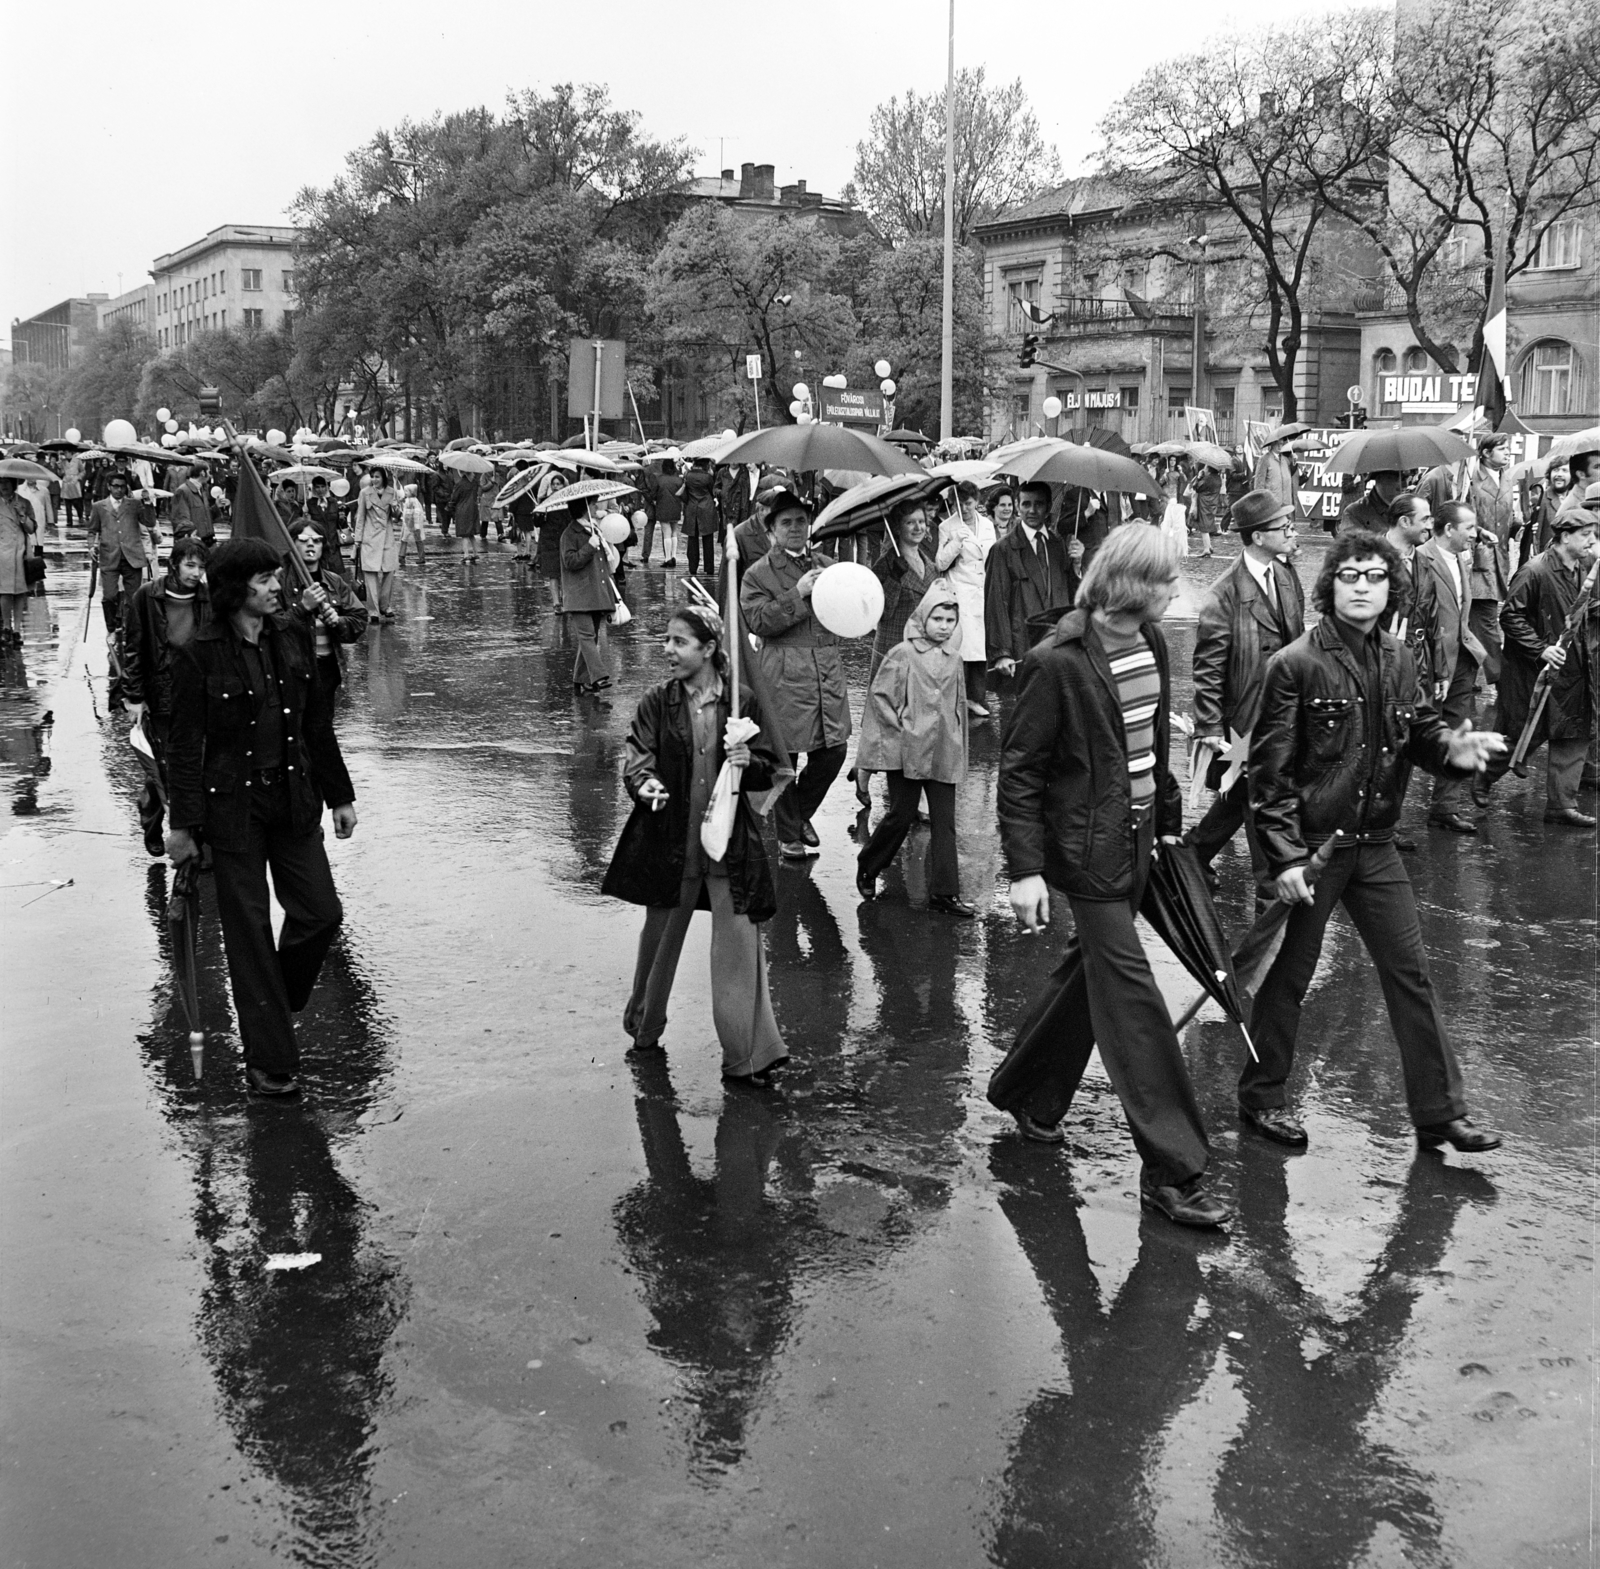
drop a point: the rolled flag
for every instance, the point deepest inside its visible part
(1492, 366)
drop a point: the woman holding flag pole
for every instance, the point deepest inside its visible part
(692, 842)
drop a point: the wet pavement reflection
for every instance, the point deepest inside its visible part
(573, 1310)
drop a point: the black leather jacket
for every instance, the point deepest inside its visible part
(1313, 767)
(1065, 801)
(1238, 632)
(210, 744)
(147, 657)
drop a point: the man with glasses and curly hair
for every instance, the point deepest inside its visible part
(1343, 719)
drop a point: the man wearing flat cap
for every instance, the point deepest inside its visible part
(1255, 608)
(1535, 613)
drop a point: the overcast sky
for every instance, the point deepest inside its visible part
(131, 133)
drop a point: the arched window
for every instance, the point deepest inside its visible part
(1416, 362)
(1549, 377)
(1384, 366)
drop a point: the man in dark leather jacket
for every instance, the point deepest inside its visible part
(156, 622)
(252, 760)
(1343, 719)
(1255, 608)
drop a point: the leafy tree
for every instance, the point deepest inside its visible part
(725, 284)
(1486, 114)
(35, 401)
(1001, 160)
(1229, 131)
(104, 385)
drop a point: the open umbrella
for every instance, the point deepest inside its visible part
(24, 469)
(466, 462)
(1169, 449)
(1101, 436)
(305, 471)
(803, 448)
(183, 920)
(394, 461)
(1574, 444)
(1209, 453)
(1409, 447)
(908, 438)
(865, 504)
(519, 484)
(1178, 905)
(978, 470)
(1090, 468)
(1284, 432)
(583, 490)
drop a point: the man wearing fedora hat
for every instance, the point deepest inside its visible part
(1255, 608)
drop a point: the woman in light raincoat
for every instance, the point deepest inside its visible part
(676, 750)
(914, 730)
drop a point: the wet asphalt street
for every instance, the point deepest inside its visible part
(570, 1312)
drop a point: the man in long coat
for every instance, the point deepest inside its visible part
(1028, 574)
(802, 669)
(117, 525)
(1533, 617)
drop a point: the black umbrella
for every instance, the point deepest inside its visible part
(183, 919)
(1259, 946)
(1177, 903)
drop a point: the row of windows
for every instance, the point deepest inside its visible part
(171, 337)
(1547, 381)
(174, 301)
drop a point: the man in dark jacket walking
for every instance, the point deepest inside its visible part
(1030, 572)
(252, 761)
(1255, 608)
(1342, 721)
(1533, 617)
(1084, 795)
(162, 617)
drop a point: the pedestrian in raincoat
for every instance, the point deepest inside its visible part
(676, 750)
(16, 531)
(462, 507)
(378, 543)
(968, 538)
(700, 517)
(914, 731)
(803, 672)
(588, 597)
(413, 523)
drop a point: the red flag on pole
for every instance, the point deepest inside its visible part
(255, 517)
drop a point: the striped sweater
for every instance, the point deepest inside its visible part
(1133, 668)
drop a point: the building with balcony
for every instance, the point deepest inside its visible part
(57, 338)
(241, 275)
(1552, 339)
(1110, 288)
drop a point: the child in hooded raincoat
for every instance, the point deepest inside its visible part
(914, 731)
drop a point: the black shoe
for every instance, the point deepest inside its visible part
(1405, 846)
(1189, 1204)
(1455, 822)
(1480, 795)
(949, 904)
(1571, 816)
(866, 886)
(646, 1049)
(862, 794)
(275, 1086)
(808, 835)
(154, 842)
(795, 850)
(1277, 1123)
(1458, 1134)
(1038, 1132)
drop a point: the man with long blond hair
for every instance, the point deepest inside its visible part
(1085, 792)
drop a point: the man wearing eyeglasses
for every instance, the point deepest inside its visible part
(1255, 608)
(1343, 719)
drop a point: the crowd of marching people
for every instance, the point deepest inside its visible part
(994, 589)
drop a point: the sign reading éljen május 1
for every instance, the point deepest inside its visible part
(849, 406)
(1092, 400)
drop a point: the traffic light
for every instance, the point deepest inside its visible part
(211, 403)
(1030, 349)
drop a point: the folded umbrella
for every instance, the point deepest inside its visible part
(1177, 904)
(183, 920)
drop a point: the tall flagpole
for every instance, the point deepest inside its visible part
(947, 354)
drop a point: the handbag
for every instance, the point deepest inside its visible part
(33, 566)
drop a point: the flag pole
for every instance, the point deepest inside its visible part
(947, 345)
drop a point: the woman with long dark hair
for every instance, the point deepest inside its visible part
(676, 750)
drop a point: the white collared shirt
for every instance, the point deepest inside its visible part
(1261, 571)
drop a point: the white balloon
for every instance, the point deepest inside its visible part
(613, 528)
(847, 599)
(794, 409)
(882, 368)
(164, 415)
(73, 434)
(728, 435)
(168, 439)
(1052, 407)
(120, 433)
(340, 487)
(835, 380)
(218, 493)
(803, 419)
(640, 519)
(171, 426)
(886, 387)
(801, 391)
(276, 438)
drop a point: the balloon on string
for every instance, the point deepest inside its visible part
(886, 387)
(120, 433)
(1052, 407)
(276, 438)
(794, 409)
(801, 391)
(640, 519)
(168, 439)
(172, 427)
(613, 528)
(74, 434)
(881, 369)
(164, 414)
(340, 487)
(847, 599)
(218, 493)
